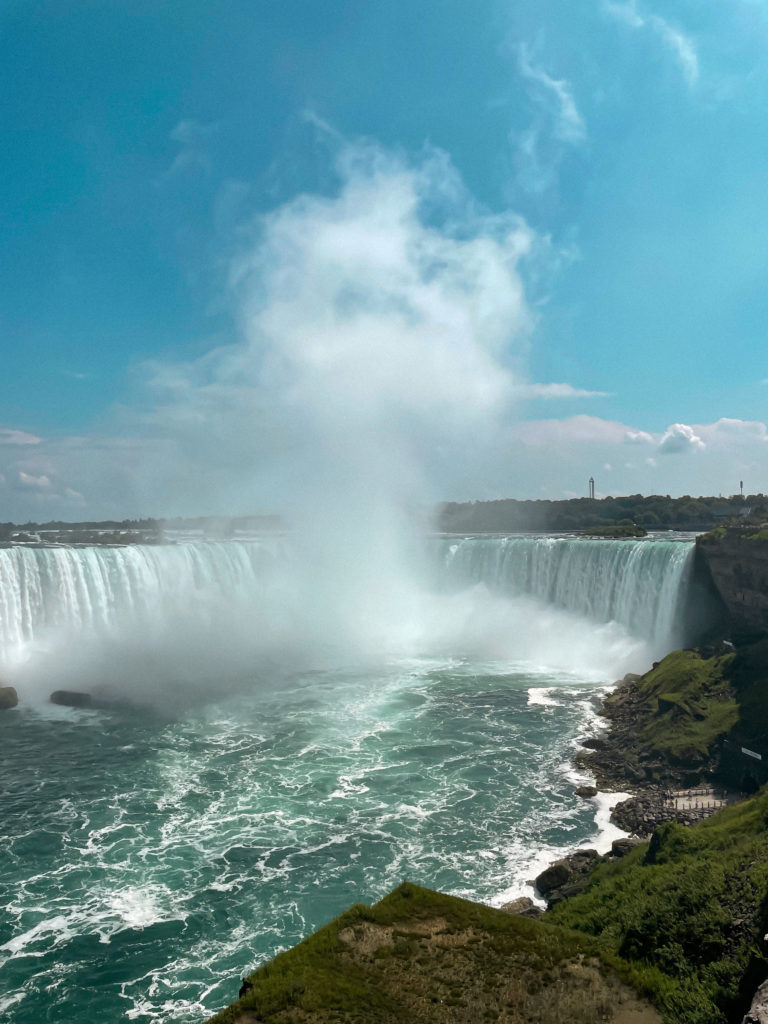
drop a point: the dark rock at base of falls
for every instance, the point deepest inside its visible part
(586, 792)
(8, 698)
(621, 847)
(567, 876)
(72, 699)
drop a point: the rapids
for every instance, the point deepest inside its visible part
(263, 776)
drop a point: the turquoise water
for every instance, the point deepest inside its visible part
(309, 738)
(146, 863)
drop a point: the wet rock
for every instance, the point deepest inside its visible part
(8, 698)
(621, 847)
(72, 699)
(567, 876)
(586, 791)
(553, 877)
(522, 907)
(594, 743)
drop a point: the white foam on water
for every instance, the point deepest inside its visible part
(542, 695)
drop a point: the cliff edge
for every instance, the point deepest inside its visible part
(736, 558)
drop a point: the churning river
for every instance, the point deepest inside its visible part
(258, 766)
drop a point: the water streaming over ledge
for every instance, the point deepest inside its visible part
(96, 591)
(148, 861)
(641, 584)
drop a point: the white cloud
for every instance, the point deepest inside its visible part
(193, 138)
(18, 437)
(632, 436)
(626, 12)
(678, 438)
(557, 126)
(556, 96)
(577, 430)
(36, 483)
(681, 46)
(731, 431)
(554, 391)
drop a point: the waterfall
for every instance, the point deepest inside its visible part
(641, 584)
(247, 596)
(97, 588)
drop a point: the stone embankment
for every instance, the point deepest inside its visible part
(644, 812)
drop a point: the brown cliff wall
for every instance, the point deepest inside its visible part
(736, 558)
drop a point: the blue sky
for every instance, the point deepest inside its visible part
(526, 244)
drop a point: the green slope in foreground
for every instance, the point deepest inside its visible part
(679, 921)
(423, 956)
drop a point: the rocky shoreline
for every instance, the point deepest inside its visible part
(661, 790)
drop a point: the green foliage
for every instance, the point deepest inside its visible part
(660, 511)
(688, 705)
(457, 952)
(623, 529)
(687, 912)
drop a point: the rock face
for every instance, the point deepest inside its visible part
(586, 792)
(566, 877)
(8, 698)
(522, 907)
(72, 699)
(737, 560)
(758, 1011)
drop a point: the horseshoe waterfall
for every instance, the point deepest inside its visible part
(270, 741)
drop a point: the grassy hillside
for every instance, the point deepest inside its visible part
(422, 956)
(688, 912)
(686, 721)
(679, 920)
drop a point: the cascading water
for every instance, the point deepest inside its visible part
(95, 588)
(148, 861)
(640, 584)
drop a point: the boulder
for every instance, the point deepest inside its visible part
(72, 699)
(621, 847)
(553, 877)
(567, 876)
(522, 907)
(586, 792)
(594, 743)
(8, 698)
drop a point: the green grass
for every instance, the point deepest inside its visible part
(688, 705)
(688, 912)
(434, 958)
(616, 530)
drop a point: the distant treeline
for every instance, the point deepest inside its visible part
(654, 512)
(125, 529)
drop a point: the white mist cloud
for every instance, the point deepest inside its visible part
(378, 333)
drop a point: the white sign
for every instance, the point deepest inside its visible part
(751, 753)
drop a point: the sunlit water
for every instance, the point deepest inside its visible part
(148, 860)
